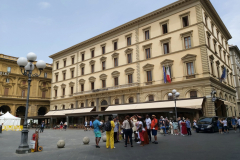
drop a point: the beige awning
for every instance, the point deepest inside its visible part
(70, 111)
(84, 110)
(189, 103)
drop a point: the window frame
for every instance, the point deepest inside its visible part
(9, 69)
(116, 82)
(187, 14)
(82, 87)
(130, 78)
(147, 29)
(92, 68)
(115, 61)
(103, 83)
(83, 56)
(73, 60)
(92, 85)
(103, 65)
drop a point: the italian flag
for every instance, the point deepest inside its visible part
(168, 75)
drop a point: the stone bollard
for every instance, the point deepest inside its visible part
(86, 140)
(61, 144)
(104, 138)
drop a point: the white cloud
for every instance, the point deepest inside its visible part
(44, 5)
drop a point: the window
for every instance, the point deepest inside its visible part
(116, 101)
(104, 103)
(56, 65)
(193, 94)
(6, 91)
(151, 98)
(72, 106)
(44, 84)
(23, 93)
(55, 93)
(115, 62)
(7, 80)
(185, 21)
(130, 100)
(56, 78)
(92, 68)
(115, 46)
(72, 60)
(164, 28)
(166, 48)
(224, 54)
(43, 94)
(103, 83)
(63, 92)
(92, 53)
(71, 90)
(147, 35)
(218, 72)
(129, 58)
(103, 65)
(130, 78)
(24, 82)
(55, 107)
(217, 34)
(220, 52)
(82, 70)
(148, 54)
(212, 71)
(63, 107)
(166, 68)
(128, 41)
(82, 104)
(103, 49)
(214, 45)
(92, 85)
(82, 56)
(64, 76)
(228, 60)
(208, 40)
(8, 69)
(206, 18)
(64, 63)
(45, 75)
(170, 98)
(190, 68)
(92, 104)
(187, 42)
(82, 87)
(72, 72)
(149, 76)
(116, 81)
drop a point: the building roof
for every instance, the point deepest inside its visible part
(206, 3)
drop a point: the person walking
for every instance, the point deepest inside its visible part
(234, 123)
(220, 125)
(61, 125)
(134, 119)
(225, 126)
(188, 125)
(85, 126)
(179, 124)
(96, 127)
(171, 125)
(65, 126)
(127, 129)
(184, 128)
(167, 124)
(115, 130)
(109, 127)
(154, 128)
(175, 127)
(141, 130)
(163, 126)
(42, 126)
(148, 123)
(91, 125)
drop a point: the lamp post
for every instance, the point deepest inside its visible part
(175, 95)
(27, 67)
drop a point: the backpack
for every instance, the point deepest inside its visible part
(108, 126)
(166, 123)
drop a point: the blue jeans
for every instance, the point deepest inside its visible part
(163, 127)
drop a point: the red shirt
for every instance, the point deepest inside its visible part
(154, 124)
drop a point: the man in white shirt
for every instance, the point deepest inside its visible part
(148, 123)
(225, 126)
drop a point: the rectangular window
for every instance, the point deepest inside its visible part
(169, 71)
(206, 21)
(193, 94)
(92, 104)
(8, 69)
(218, 72)
(220, 52)
(217, 35)
(103, 49)
(92, 53)
(190, 68)
(83, 57)
(82, 70)
(44, 84)
(56, 65)
(103, 65)
(92, 85)
(148, 54)
(185, 21)
(63, 91)
(7, 80)
(72, 106)
(166, 48)
(45, 75)
(72, 72)
(214, 45)
(82, 104)
(211, 67)
(71, 90)
(129, 58)
(6, 91)
(56, 78)
(164, 29)
(64, 76)
(116, 101)
(129, 41)
(187, 42)
(208, 41)
(92, 68)
(116, 81)
(147, 35)
(115, 46)
(115, 62)
(55, 93)
(63, 106)
(224, 54)
(64, 63)
(43, 94)
(149, 76)
(130, 78)
(24, 82)
(72, 60)
(23, 93)
(82, 87)
(103, 83)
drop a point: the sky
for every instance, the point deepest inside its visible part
(47, 27)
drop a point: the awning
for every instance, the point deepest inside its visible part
(70, 111)
(189, 104)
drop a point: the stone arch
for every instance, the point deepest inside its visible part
(5, 108)
(104, 102)
(90, 103)
(130, 97)
(187, 92)
(151, 95)
(42, 111)
(71, 106)
(119, 100)
(20, 112)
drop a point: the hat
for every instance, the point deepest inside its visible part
(153, 115)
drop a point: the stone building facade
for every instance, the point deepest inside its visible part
(13, 89)
(125, 65)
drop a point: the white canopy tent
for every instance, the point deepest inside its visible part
(9, 120)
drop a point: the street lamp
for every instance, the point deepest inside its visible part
(27, 67)
(175, 95)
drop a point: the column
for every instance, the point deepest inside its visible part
(86, 105)
(97, 105)
(51, 123)
(109, 100)
(138, 97)
(123, 102)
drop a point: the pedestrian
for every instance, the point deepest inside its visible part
(148, 123)
(179, 124)
(238, 123)
(102, 126)
(42, 126)
(65, 126)
(160, 121)
(225, 126)
(184, 128)
(175, 127)
(188, 125)
(109, 127)
(234, 123)
(127, 129)
(134, 119)
(85, 126)
(137, 132)
(167, 124)
(171, 126)
(194, 124)
(61, 125)
(96, 125)
(163, 126)
(141, 130)
(35, 138)
(119, 136)
(91, 125)
(154, 128)
(219, 124)
(115, 130)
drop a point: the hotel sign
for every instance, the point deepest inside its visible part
(4, 73)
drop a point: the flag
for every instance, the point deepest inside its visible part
(164, 75)
(168, 75)
(223, 77)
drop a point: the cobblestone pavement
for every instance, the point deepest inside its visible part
(204, 146)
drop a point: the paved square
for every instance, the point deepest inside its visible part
(202, 146)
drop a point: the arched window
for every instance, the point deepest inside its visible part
(82, 104)
(104, 103)
(150, 98)
(63, 107)
(170, 97)
(130, 100)
(92, 104)
(72, 106)
(116, 101)
(55, 107)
